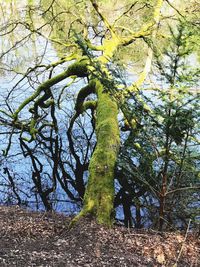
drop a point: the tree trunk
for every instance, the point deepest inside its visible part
(99, 195)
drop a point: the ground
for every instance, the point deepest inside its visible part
(44, 239)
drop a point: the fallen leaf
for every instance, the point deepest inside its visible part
(161, 258)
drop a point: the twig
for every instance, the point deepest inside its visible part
(134, 234)
(183, 243)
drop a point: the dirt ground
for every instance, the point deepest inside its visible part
(43, 239)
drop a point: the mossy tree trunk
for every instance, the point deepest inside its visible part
(99, 195)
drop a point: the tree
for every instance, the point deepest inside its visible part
(95, 46)
(162, 167)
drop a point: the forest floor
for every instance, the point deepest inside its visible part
(43, 239)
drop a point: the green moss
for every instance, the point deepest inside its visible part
(99, 196)
(78, 68)
(109, 48)
(91, 104)
(33, 130)
(83, 93)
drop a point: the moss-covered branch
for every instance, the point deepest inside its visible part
(104, 19)
(150, 28)
(83, 93)
(78, 68)
(153, 31)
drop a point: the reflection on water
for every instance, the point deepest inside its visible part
(24, 44)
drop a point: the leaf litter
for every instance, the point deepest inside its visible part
(44, 239)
